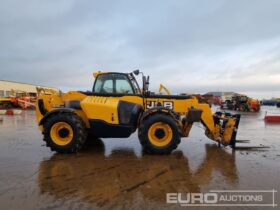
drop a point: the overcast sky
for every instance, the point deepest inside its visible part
(186, 45)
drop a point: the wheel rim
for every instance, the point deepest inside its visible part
(160, 134)
(61, 133)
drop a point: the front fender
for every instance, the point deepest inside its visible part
(55, 111)
(159, 109)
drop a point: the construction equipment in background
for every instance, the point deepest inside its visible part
(46, 91)
(242, 103)
(217, 101)
(23, 99)
(162, 87)
(117, 107)
(254, 104)
(5, 103)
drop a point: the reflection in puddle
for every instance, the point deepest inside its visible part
(123, 178)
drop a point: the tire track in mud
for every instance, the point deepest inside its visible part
(145, 182)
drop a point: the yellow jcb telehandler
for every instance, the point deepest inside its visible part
(117, 106)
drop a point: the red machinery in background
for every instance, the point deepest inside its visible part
(240, 102)
(23, 99)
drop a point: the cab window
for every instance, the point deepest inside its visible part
(104, 84)
(123, 85)
(108, 86)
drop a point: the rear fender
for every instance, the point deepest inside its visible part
(55, 111)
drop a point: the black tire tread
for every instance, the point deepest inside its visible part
(80, 133)
(145, 143)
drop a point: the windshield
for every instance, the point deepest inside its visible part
(134, 84)
(122, 84)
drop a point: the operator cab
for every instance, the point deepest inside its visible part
(240, 99)
(116, 83)
(119, 84)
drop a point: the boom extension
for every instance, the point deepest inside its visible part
(220, 127)
(226, 126)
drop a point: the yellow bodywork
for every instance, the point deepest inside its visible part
(55, 101)
(102, 108)
(105, 109)
(95, 74)
(229, 128)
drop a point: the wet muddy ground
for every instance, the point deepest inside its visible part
(115, 174)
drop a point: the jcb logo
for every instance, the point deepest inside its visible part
(166, 104)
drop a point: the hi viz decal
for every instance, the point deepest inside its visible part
(166, 104)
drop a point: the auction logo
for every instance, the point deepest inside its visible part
(224, 198)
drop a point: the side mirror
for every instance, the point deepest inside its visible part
(146, 83)
(136, 72)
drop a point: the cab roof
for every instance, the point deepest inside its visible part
(95, 74)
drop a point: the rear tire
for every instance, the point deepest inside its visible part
(159, 134)
(65, 133)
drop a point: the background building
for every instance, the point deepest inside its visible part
(7, 87)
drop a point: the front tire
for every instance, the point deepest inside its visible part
(159, 134)
(65, 133)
